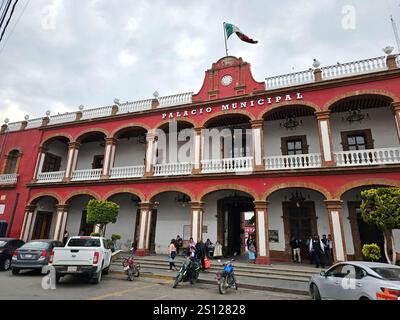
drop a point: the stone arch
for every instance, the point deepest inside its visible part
(384, 93)
(36, 197)
(365, 182)
(74, 194)
(55, 136)
(129, 125)
(158, 191)
(235, 187)
(187, 120)
(304, 185)
(131, 191)
(19, 149)
(213, 116)
(308, 104)
(84, 133)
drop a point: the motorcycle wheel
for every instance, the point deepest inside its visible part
(130, 274)
(195, 277)
(223, 286)
(137, 273)
(177, 280)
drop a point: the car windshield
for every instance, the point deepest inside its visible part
(36, 245)
(82, 242)
(388, 273)
(2, 243)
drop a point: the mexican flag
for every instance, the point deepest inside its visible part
(231, 29)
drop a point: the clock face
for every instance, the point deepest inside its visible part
(226, 80)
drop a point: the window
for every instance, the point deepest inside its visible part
(294, 145)
(98, 162)
(52, 163)
(12, 162)
(357, 140)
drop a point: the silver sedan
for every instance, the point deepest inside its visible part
(356, 280)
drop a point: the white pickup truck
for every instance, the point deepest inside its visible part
(87, 256)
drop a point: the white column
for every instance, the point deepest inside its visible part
(197, 150)
(396, 113)
(29, 219)
(262, 232)
(258, 142)
(196, 230)
(40, 161)
(336, 228)
(150, 154)
(109, 156)
(143, 246)
(61, 222)
(325, 138)
(73, 151)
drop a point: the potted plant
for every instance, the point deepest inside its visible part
(372, 252)
(114, 238)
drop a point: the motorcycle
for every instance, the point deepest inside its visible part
(189, 271)
(226, 279)
(131, 268)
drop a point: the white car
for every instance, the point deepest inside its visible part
(88, 256)
(356, 280)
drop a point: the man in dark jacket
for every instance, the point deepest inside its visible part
(201, 253)
(296, 244)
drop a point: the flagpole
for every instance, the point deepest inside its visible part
(226, 43)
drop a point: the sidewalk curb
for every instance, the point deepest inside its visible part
(245, 286)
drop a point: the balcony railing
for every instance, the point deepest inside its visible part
(127, 172)
(135, 106)
(85, 175)
(301, 161)
(173, 169)
(243, 164)
(50, 176)
(8, 178)
(367, 157)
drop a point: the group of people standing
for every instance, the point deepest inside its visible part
(321, 250)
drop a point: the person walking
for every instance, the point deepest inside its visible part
(66, 236)
(178, 243)
(317, 251)
(329, 253)
(296, 244)
(217, 250)
(172, 255)
(201, 253)
(191, 248)
(251, 247)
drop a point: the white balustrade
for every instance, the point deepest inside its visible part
(290, 79)
(62, 118)
(244, 164)
(300, 161)
(127, 172)
(173, 169)
(367, 157)
(134, 106)
(398, 60)
(8, 178)
(15, 126)
(96, 113)
(88, 174)
(34, 123)
(44, 177)
(352, 68)
(174, 100)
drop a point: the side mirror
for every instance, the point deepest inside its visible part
(323, 274)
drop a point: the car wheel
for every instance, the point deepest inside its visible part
(364, 298)
(97, 277)
(15, 271)
(314, 292)
(58, 277)
(106, 270)
(6, 264)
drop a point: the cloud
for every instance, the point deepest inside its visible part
(66, 53)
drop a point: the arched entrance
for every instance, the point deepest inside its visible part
(76, 223)
(229, 217)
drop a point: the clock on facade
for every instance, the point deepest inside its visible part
(226, 80)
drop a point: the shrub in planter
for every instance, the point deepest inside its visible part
(372, 252)
(102, 213)
(95, 234)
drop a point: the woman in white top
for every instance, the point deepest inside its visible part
(172, 255)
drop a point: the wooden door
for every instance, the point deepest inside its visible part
(42, 225)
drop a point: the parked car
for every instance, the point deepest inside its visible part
(33, 255)
(356, 280)
(7, 248)
(87, 256)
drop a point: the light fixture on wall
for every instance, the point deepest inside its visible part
(182, 199)
(355, 115)
(142, 138)
(297, 197)
(291, 122)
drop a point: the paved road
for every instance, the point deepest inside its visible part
(27, 285)
(116, 287)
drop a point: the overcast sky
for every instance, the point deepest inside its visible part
(62, 54)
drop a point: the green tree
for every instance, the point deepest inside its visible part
(381, 207)
(371, 252)
(102, 213)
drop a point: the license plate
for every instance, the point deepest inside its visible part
(126, 268)
(72, 269)
(28, 256)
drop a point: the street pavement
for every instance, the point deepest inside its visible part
(27, 286)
